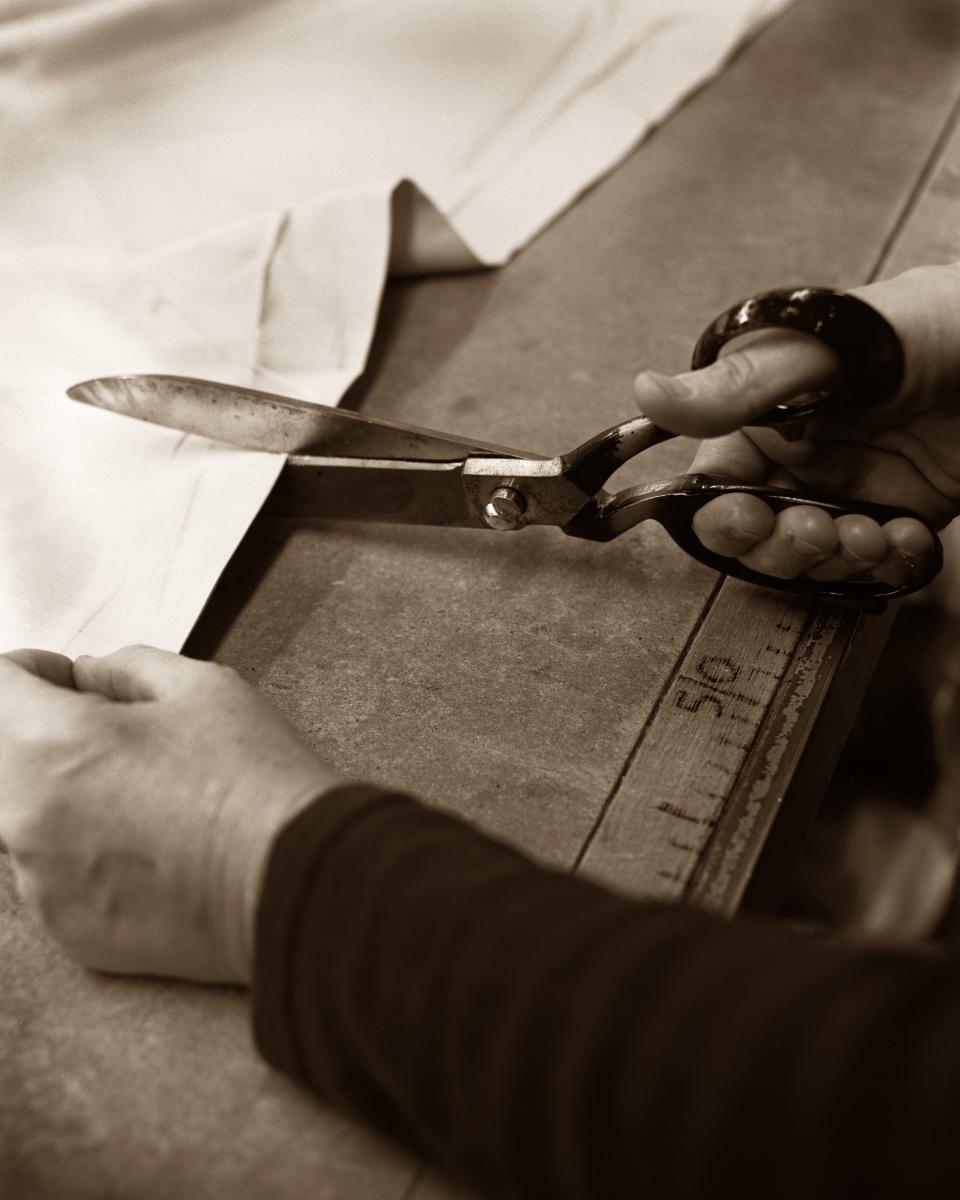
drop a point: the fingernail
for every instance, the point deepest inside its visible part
(806, 547)
(749, 537)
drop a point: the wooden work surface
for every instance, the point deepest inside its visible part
(560, 694)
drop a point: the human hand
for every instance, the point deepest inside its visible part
(907, 454)
(880, 870)
(139, 795)
(876, 862)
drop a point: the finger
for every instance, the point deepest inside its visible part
(776, 366)
(23, 687)
(802, 537)
(733, 524)
(29, 700)
(36, 688)
(863, 545)
(45, 664)
(735, 456)
(139, 673)
(909, 551)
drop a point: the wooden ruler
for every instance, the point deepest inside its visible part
(696, 803)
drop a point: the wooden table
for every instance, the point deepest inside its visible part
(562, 695)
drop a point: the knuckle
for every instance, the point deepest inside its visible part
(739, 370)
(72, 751)
(128, 654)
(225, 677)
(22, 830)
(66, 921)
(33, 740)
(222, 671)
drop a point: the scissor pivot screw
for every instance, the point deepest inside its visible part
(505, 509)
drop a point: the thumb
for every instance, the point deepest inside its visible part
(774, 367)
(44, 664)
(139, 673)
(36, 690)
(33, 679)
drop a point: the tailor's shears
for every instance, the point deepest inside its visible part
(341, 464)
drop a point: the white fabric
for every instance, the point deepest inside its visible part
(205, 187)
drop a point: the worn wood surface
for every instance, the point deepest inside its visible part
(524, 681)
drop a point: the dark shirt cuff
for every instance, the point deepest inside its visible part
(296, 856)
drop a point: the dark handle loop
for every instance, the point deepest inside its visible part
(592, 464)
(872, 361)
(868, 595)
(866, 344)
(674, 503)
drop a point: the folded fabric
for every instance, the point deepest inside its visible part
(218, 188)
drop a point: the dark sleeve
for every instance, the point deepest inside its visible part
(543, 1037)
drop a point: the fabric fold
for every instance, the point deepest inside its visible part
(220, 188)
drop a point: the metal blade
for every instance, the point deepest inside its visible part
(261, 421)
(390, 490)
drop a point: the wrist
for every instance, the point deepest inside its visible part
(239, 856)
(920, 304)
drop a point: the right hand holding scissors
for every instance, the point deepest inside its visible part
(906, 452)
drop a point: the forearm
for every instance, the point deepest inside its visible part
(544, 1037)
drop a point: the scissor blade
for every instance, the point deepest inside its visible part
(390, 490)
(256, 420)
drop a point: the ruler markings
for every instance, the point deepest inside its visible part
(661, 820)
(722, 879)
(674, 810)
(706, 685)
(761, 671)
(723, 740)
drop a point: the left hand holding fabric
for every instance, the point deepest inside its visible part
(139, 796)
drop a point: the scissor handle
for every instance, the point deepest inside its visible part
(674, 503)
(866, 344)
(872, 362)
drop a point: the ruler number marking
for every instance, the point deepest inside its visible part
(713, 676)
(717, 669)
(723, 740)
(713, 687)
(696, 701)
(675, 810)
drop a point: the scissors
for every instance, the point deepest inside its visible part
(345, 465)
